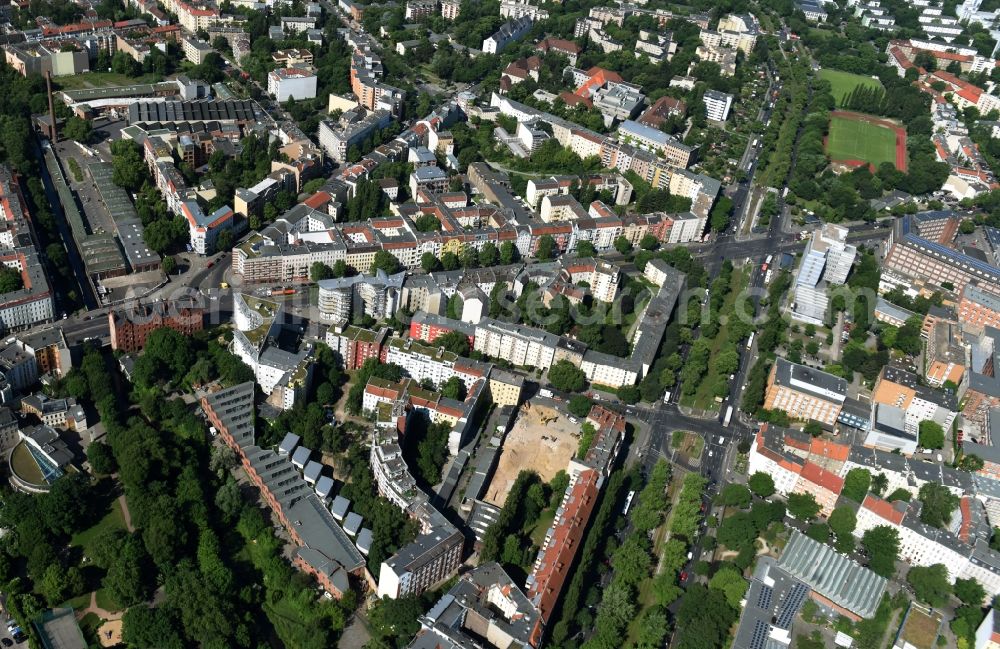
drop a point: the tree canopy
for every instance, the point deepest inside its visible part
(565, 376)
(938, 504)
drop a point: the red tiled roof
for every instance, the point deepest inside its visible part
(794, 442)
(553, 567)
(597, 78)
(603, 418)
(830, 450)
(572, 100)
(317, 199)
(883, 508)
(559, 45)
(966, 509)
(817, 475)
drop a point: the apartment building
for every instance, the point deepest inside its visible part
(675, 152)
(977, 308)
(292, 82)
(522, 8)
(917, 250)
(724, 57)
(767, 456)
(655, 47)
(283, 374)
(366, 79)
(735, 31)
(983, 392)
(450, 9)
(511, 31)
(131, 324)
(18, 370)
(944, 359)
(825, 486)
(32, 303)
(48, 346)
(419, 9)
(521, 346)
(988, 633)
(602, 277)
(484, 603)
(351, 129)
(195, 49)
(717, 105)
(323, 550)
(428, 326)
(436, 553)
(902, 396)
(552, 567)
(204, 229)
(569, 49)
(923, 545)
(826, 262)
(377, 296)
(805, 393)
(356, 345)
(424, 362)
(506, 388)
(963, 548)
(428, 179)
(416, 567)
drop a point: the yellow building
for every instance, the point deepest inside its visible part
(506, 388)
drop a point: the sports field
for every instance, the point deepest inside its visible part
(842, 83)
(855, 138)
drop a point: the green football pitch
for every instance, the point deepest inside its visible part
(842, 83)
(853, 140)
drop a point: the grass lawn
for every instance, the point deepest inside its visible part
(842, 83)
(105, 601)
(99, 79)
(645, 597)
(853, 140)
(113, 520)
(703, 398)
(79, 602)
(542, 525)
(687, 443)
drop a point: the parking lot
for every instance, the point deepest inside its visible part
(8, 637)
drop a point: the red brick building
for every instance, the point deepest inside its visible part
(131, 325)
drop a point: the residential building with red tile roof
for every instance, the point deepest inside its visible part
(552, 568)
(825, 486)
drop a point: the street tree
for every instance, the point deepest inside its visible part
(930, 584)
(762, 484)
(803, 506)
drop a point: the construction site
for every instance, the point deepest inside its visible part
(542, 440)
